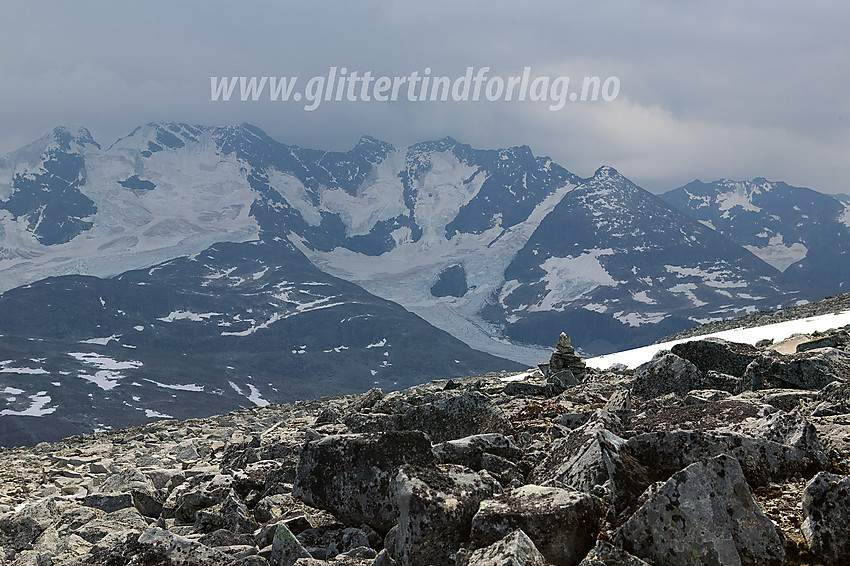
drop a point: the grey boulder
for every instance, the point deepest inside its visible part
(563, 523)
(350, 474)
(704, 515)
(826, 512)
(436, 507)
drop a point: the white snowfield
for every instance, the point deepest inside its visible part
(778, 332)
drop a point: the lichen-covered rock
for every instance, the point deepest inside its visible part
(372, 422)
(789, 429)
(469, 451)
(770, 445)
(716, 354)
(452, 416)
(493, 452)
(435, 510)
(160, 547)
(18, 530)
(606, 554)
(763, 461)
(704, 515)
(835, 339)
(834, 399)
(230, 514)
(515, 549)
(286, 549)
(563, 523)
(327, 542)
(272, 508)
(101, 526)
(826, 512)
(665, 373)
(349, 474)
(592, 457)
(192, 499)
(128, 488)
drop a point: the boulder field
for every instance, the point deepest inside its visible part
(713, 453)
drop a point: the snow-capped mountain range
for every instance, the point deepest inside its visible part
(276, 271)
(500, 248)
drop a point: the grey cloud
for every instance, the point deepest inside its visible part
(719, 89)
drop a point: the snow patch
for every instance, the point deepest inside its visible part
(777, 254)
(151, 414)
(186, 315)
(253, 394)
(188, 387)
(4, 368)
(101, 341)
(643, 297)
(845, 216)
(38, 407)
(739, 196)
(637, 319)
(569, 278)
(109, 373)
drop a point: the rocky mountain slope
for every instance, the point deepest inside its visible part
(714, 453)
(496, 247)
(236, 325)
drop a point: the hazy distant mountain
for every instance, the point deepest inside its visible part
(804, 233)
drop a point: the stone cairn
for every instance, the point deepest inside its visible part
(565, 367)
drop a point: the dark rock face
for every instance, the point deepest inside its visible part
(49, 199)
(718, 355)
(659, 466)
(450, 283)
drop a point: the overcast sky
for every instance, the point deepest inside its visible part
(707, 89)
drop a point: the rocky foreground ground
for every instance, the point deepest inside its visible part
(714, 453)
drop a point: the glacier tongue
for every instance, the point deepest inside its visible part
(201, 198)
(406, 273)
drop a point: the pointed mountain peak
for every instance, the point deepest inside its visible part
(606, 171)
(367, 141)
(77, 135)
(372, 148)
(155, 136)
